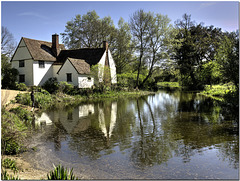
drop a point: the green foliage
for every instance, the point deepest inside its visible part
(60, 173)
(9, 75)
(23, 114)
(65, 87)
(51, 85)
(169, 84)
(9, 163)
(228, 58)
(42, 99)
(12, 133)
(88, 31)
(6, 176)
(21, 86)
(195, 46)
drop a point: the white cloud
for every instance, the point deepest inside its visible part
(33, 14)
(207, 4)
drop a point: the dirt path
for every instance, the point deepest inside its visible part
(8, 95)
(26, 172)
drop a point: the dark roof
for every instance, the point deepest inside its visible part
(91, 55)
(41, 50)
(80, 65)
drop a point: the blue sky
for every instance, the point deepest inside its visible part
(40, 19)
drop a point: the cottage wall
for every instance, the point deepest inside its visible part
(22, 53)
(41, 75)
(112, 68)
(68, 68)
(85, 81)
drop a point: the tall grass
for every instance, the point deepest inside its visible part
(60, 173)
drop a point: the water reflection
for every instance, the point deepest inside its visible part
(171, 131)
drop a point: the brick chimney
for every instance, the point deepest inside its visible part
(105, 45)
(55, 44)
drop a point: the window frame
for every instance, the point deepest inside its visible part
(21, 63)
(69, 77)
(21, 78)
(41, 64)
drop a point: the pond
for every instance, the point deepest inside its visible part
(169, 135)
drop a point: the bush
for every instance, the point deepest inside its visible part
(9, 163)
(51, 85)
(59, 173)
(21, 87)
(42, 99)
(65, 87)
(23, 114)
(12, 133)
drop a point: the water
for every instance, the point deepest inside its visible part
(169, 135)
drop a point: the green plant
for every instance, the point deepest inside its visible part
(51, 85)
(9, 163)
(12, 133)
(65, 87)
(6, 176)
(59, 173)
(23, 114)
(21, 86)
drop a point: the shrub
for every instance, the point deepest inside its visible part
(21, 87)
(59, 173)
(23, 114)
(42, 99)
(51, 85)
(12, 133)
(65, 87)
(9, 163)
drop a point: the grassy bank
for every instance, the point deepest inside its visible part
(173, 85)
(218, 92)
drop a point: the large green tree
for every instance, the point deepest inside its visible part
(228, 57)
(139, 23)
(151, 34)
(196, 46)
(88, 31)
(123, 51)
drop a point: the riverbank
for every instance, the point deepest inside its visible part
(18, 114)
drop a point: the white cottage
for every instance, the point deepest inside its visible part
(37, 61)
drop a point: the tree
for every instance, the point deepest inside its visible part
(159, 32)
(228, 57)
(123, 47)
(196, 45)
(139, 23)
(88, 31)
(8, 44)
(8, 74)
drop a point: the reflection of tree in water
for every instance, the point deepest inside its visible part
(204, 127)
(152, 146)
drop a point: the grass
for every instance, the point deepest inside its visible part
(217, 91)
(60, 173)
(169, 85)
(9, 163)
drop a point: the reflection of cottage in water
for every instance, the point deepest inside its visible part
(44, 119)
(80, 119)
(107, 118)
(75, 120)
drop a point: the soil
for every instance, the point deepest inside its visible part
(25, 170)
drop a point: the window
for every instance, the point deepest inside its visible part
(41, 64)
(89, 79)
(21, 78)
(69, 77)
(21, 63)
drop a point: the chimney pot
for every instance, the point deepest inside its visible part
(105, 45)
(55, 44)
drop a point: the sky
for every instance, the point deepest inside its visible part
(40, 19)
